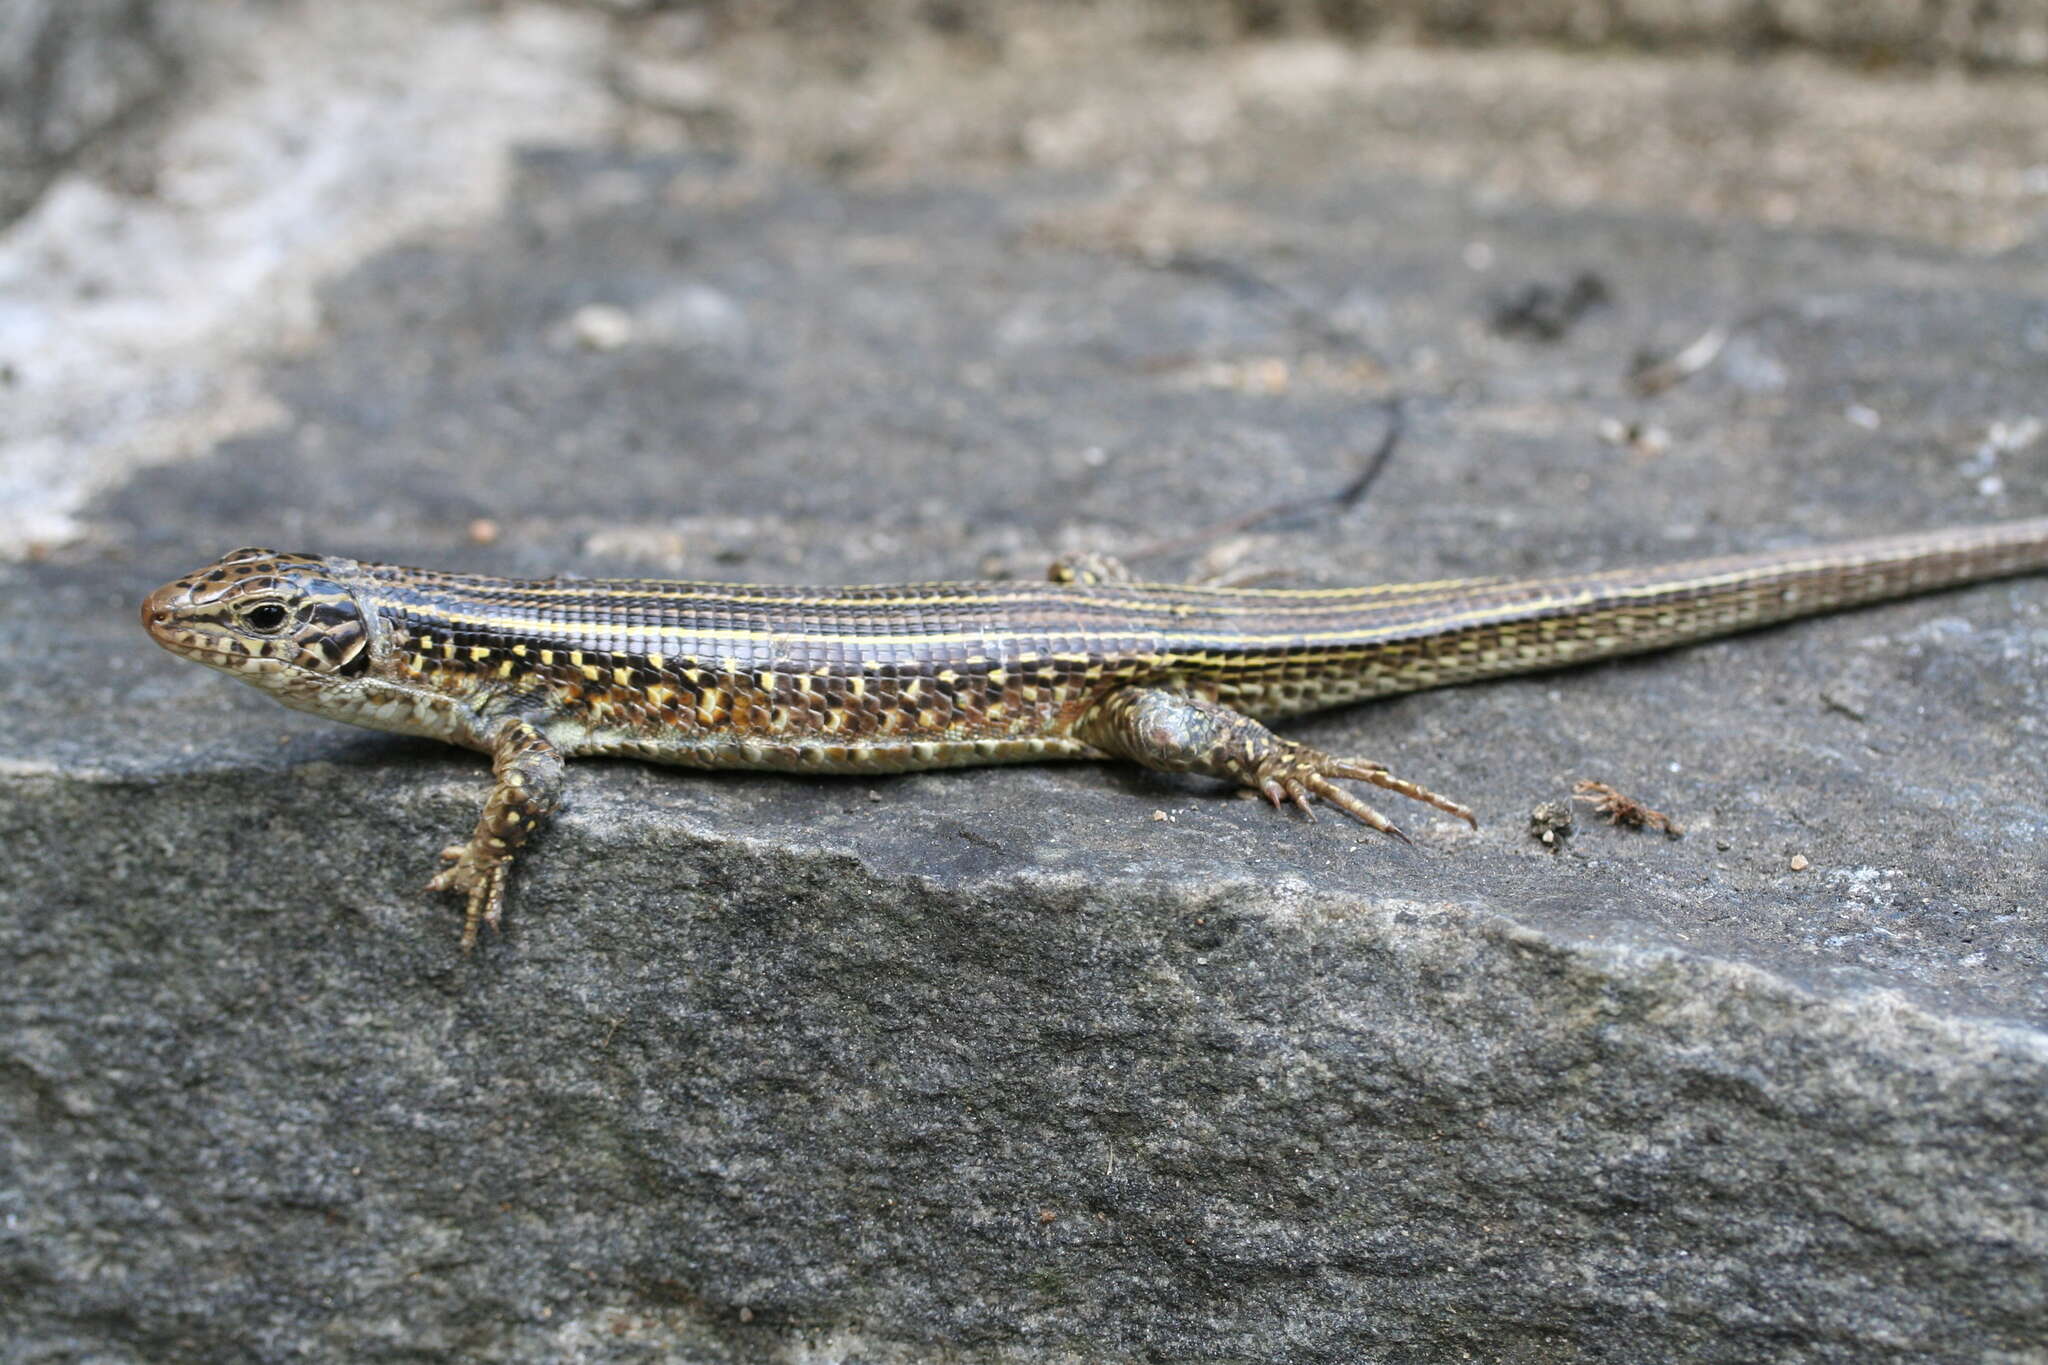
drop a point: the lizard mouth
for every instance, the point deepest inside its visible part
(215, 652)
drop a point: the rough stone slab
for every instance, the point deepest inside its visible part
(732, 1088)
(996, 1066)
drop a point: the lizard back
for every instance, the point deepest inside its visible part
(930, 674)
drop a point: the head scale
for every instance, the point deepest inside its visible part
(277, 620)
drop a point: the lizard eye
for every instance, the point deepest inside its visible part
(266, 617)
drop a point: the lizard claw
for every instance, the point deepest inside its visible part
(1299, 771)
(1298, 794)
(479, 877)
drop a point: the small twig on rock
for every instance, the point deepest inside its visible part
(1345, 498)
(1247, 283)
(1653, 376)
(1624, 810)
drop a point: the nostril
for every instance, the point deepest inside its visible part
(154, 611)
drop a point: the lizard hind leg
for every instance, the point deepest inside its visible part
(1176, 733)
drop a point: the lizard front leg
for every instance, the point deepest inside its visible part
(1176, 733)
(528, 769)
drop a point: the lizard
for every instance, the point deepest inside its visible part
(881, 679)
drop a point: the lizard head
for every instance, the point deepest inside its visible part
(268, 618)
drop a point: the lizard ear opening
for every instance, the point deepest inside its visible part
(335, 638)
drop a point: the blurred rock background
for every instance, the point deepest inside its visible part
(179, 175)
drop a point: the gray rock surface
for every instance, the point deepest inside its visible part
(71, 70)
(1001, 1065)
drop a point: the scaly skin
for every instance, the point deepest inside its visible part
(931, 675)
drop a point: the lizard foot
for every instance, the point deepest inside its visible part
(481, 877)
(1176, 733)
(1289, 773)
